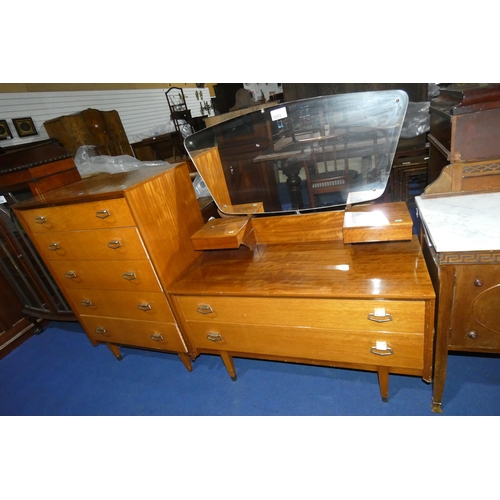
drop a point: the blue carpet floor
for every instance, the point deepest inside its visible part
(59, 373)
(147, 428)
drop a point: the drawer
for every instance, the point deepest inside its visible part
(145, 306)
(92, 215)
(147, 334)
(127, 275)
(400, 316)
(406, 349)
(116, 243)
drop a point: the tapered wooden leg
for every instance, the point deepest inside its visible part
(115, 350)
(229, 364)
(186, 361)
(383, 382)
(439, 378)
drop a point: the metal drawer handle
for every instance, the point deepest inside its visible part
(380, 319)
(114, 244)
(101, 330)
(214, 337)
(145, 306)
(86, 303)
(102, 214)
(157, 337)
(204, 309)
(378, 352)
(40, 219)
(71, 275)
(53, 246)
(129, 276)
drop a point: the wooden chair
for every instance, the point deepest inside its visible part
(327, 168)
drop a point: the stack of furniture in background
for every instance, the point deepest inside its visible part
(102, 129)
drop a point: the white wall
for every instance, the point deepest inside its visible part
(263, 88)
(143, 112)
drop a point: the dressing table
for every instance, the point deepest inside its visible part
(344, 286)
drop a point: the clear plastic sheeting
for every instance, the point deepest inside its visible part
(200, 187)
(417, 120)
(90, 164)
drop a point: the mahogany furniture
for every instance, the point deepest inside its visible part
(464, 126)
(114, 243)
(15, 326)
(459, 217)
(159, 147)
(29, 295)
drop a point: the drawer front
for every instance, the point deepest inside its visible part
(116, 243)
(398, 316)
(145, 306)
(148, 334)
(403, 350)
(127, 275)
(92, 215)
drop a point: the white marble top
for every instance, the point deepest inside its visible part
(462, 223)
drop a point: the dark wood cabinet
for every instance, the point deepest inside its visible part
(464, 126)
(163, 147)
(29, 294)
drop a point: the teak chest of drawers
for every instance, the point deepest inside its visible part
(368, 306)
(113, 244)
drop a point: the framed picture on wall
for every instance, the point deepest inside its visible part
(24, 127)
(5, 132)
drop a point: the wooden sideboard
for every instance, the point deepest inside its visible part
(300, 294)
(459, 215)
(114, 243)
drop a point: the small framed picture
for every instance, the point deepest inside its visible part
(5, 132)
(24, 127)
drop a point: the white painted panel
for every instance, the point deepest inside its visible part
(143, 112)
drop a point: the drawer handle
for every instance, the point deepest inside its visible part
(102, 214)
(40, 219)
(114, 244)
(101, 330)
(204, 309)
(214, 337)
(387, 352)
(86, 303)
(157, 337)
(380, 319)
(71, 275)
(145, 306)
(54, 246)
(129, 276)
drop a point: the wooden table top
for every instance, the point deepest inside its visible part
(394, 270)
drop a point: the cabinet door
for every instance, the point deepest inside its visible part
(476, 309)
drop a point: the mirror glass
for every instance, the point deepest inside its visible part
(300, 156)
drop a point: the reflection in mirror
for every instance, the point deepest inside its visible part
(303, 155)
